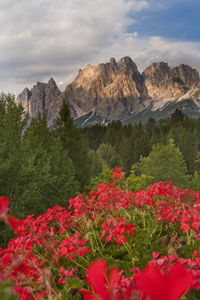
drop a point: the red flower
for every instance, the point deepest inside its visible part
(14, 223)
(185, 227)
(117, 173)
(11, 221)
(154, 283)
(102, 287)
(117, 228)
(3, 205)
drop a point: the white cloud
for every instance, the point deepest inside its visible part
(44, 38)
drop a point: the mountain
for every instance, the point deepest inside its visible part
(43, 97)
(118, 91)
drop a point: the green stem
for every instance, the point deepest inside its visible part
(142, 214)
(75, 262)
(128, 248)
(96, 240)
(188, 238)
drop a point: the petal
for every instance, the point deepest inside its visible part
(179, 281)
(87, 295)
(151, 282)
(4, 202)
(108, 238)
(14, 223)
(96, 277)
(6, 259)
(114, 276)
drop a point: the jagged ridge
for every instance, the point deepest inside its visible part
(114, 91)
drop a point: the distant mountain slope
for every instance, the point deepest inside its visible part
(118, 91)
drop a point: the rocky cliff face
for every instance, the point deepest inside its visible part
(114, 91)
(164, 82)
(43, 97)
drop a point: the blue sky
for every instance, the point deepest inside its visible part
(55, 38)
(178, 20)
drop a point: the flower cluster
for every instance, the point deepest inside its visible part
(117, 228)
(117, 173)
(172, 205)
(54, 253)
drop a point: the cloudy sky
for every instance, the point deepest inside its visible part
(40, 39)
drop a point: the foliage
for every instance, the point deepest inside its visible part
(195, 182)
(135, 140)
(103, 177)
(96, 163)
(136, 183)
(72, 141)
(108, 156)
(11, 128)
(47, 174)
(151, 237)
(6, 291)
(165, 162)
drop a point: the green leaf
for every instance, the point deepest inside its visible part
(75, 283)
(6, 291)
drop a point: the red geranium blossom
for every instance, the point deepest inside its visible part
(102, 287)
(4, 202)
(153, 282)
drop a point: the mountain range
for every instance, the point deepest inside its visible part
(118, 91)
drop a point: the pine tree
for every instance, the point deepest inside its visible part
(47, 175)
(108, 156)
(96, 163)
(73, 141)
(136, 183)
(165, 162)
(11, 127)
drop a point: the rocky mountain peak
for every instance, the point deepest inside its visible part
(126, 63)
(164, 82)
(26, 91)
(43, 97)
(112, 89)
(51, 83)
(187, 75)
(113, 61)
(24, 98)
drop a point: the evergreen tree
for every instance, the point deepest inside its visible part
(96, 163)
(104, 177)
(47, 174)
(195, 182)
(11, 127)
(108, 156)
(165, 162)
(136, 183)
(72, 141)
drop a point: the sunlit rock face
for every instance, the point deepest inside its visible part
(114, 90)
(166, 82)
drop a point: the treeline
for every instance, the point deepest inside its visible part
(165, 150)
(41, 167)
